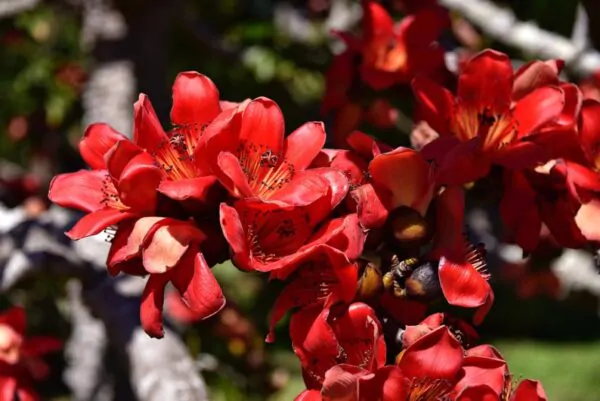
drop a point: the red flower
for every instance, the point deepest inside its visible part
(392, 55)
(168, 250)
(482, 126)
(535, 197)
(385, 193)
(248, 153)
(326, 278)
(323, 338)
(269, 237)
(20, 362)
(120, 188)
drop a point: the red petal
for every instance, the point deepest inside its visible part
(168, 244)
(376, 22)
(449, 238)
(93, 223)
(340, 385)
(147, 131)
(96, 142)
(479, 370)
(309, 395)
(81, 190)
(421, 29)
(480, 392)
(416, 187)
(436, 103)
(463, 164)
(437, 354)
(15, 318)
(195, 99)
(589, 129)
(309, 186)
(152, 304)
(535, 74)
(120, 155)
(486, 82)
(366, 146)
(197, 285)
(263, 125)
(462, 285)
(529, 390)
(521, 155)
(40, 345)
(234, 232)
(8, 388)
(304, 144)
(129, 239)
(138, 184)
(538, 108)
(371, 209)
(232, 176)
(388, 384)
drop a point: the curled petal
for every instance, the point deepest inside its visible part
(201, 191)
(195, 99)
(436, 355)
(120, 155)
(152, 304)
(371, 209)
(538, 108)
(147, 131)
(197, 285)
(93, 223)
(138, 184)
(529, 390)
(478, 370)
(462, 284)
(536, 74)
(232, 176)
(97, 140)
(340, 385)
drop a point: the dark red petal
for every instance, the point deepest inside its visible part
(415, 189)
(529, 390)
(519, 211)
(197, 285)
(40, 345)
(573, 101)
(484, 350)
(25, 393)
(366, 146)
(464, 163)
(589, 129)
(120, 155)
(16, 318)
(263, 125)
(200, 190)
(436, 355)
(449, 238)
(371, 209)
(388, 384)
(195, 99)
(304, 144)
(81, 190)
(521, 155)
(152, 304)
(436, 103)
(232, 176)
(147, 131)
(234, 233)
(538, 108)
(404, 311)
(421, 29)
(138, 184)
(480, 392)
(97, 140)
(462, 285)
(486, 82)
(484, 309)
(478, 370)
(93, 223)
(535, 74)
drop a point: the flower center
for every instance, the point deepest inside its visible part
(426, 389)
(265, 171)
(111, 199)
(495, 130)
(176, 156)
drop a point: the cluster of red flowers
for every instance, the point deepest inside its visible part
(366, 237)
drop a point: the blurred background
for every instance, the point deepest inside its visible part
(65, 64)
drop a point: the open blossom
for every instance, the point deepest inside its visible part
(20, 357)
(482, 125)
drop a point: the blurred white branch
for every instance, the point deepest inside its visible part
(501, 24)
(9, 8)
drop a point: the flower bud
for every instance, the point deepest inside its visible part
(370, 282)
(424, 283)
(406, 228)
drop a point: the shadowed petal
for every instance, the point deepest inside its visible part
(97, 140)
(147, 131)
(81, 190)
(304, 144)
(152, 304)
(529, 390)
(538, 108)
(93, 223)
